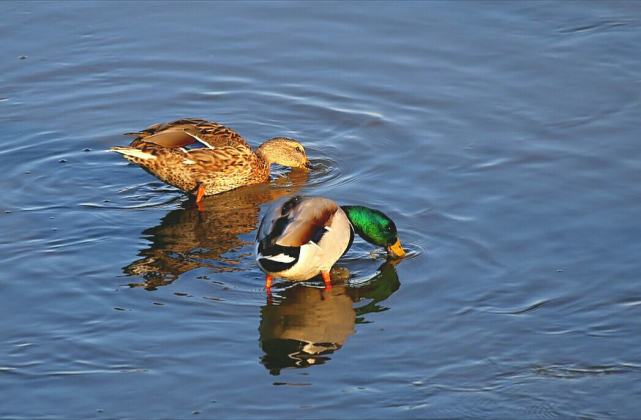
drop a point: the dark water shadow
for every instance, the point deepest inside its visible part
(303, 325)
(187, 239)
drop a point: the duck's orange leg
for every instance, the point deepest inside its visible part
(327, 280)
(199, 197)
(268, 288)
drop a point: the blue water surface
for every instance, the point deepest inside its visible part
(501, 137)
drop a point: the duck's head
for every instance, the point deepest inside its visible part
(376, 228)
(283, 151)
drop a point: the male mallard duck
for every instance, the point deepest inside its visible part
(224, 162)
(305, 236)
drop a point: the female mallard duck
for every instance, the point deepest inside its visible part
(224, 162)
(305, 236)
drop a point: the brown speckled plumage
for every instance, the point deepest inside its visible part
(225, 162)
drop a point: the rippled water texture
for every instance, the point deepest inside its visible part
(502, 138)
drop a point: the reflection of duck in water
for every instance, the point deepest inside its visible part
(307, 324)
(223, 162)
(187, 239)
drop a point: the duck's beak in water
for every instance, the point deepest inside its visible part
(396, 250)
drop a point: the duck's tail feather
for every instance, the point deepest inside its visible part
(132, 152)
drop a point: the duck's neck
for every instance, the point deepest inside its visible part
(263, 154)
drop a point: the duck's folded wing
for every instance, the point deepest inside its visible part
(186, 132)
(171, 138)
(297, 222)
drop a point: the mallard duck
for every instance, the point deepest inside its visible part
(305, 236)
(224, 162)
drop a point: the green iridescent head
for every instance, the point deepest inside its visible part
(375, 227)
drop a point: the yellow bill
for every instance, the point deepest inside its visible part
(396, 250)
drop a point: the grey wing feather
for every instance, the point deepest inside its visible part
(307, 221)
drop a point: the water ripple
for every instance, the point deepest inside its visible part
(520, 310)
(575, 371)
(598, 26)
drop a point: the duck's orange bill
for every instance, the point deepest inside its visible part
(396, 250)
